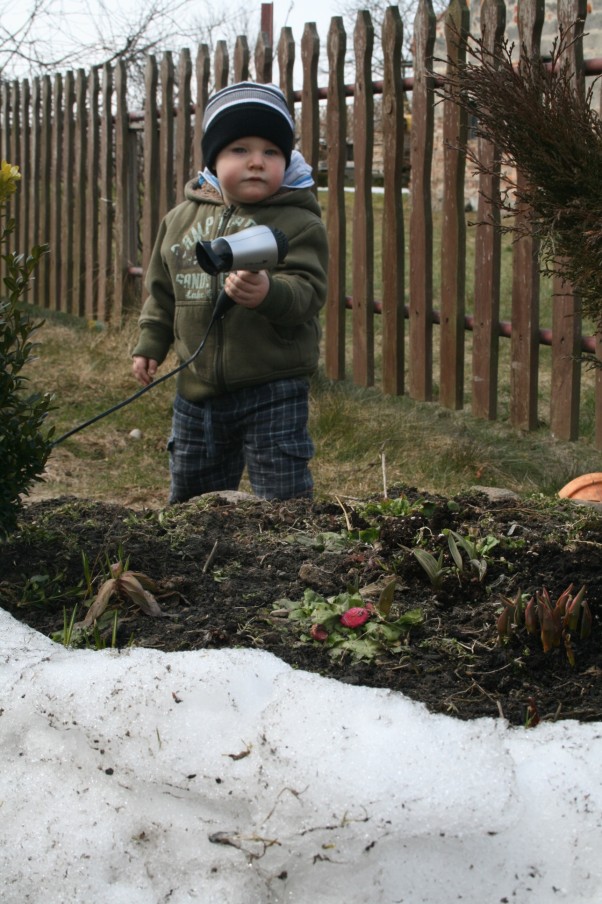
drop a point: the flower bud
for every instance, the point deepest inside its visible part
(318, 632)
(355, 617)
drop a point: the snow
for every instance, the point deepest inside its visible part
(227, 777)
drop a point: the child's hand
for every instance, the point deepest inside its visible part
(247, 287)
(144, 369)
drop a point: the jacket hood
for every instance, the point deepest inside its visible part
(204, 193)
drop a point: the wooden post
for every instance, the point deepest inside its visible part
(183, 124)
(92, 199)
(57, 178)
(105, 229)
(566, 308)
(453, 222)
(66, 300)
(221, 66)
(393, 308)
(263, 58)
(336, 220)
(202, 68)
(122, 194)
(421, 215)
(485, 345)
(310, 108)
(44, 192)
(363, 215)
(286, 64)
(79, 211)
(242, 57)
(32, 188)
(524, 343)
(24, 207)
(167, 195)
(152, 168)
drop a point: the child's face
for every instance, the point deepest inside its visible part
(249, 170)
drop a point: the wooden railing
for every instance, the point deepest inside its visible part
(97, 178)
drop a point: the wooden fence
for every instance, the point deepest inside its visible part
(97, 178)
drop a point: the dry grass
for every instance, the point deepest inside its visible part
(364, 441)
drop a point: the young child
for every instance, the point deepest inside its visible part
(244, 399)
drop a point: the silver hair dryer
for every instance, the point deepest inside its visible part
(255, 248)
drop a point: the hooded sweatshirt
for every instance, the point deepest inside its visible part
(279, 338)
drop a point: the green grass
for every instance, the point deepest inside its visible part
(365, 441)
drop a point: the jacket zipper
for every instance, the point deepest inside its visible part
(219, 352)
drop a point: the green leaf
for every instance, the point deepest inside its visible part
(385, 600)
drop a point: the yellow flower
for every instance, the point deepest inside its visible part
(9, 176)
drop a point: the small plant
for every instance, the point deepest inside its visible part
(398, 507)
(477, 552)
(554, 622)
(23, 448)
(132, 585)
(66, 636)
(434, 567)
(75, 634)
(347, 623)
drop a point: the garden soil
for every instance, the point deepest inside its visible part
(230, 571)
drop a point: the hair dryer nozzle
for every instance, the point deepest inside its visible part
(255, 248)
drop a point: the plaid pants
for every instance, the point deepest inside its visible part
(263, 427)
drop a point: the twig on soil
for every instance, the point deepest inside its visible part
(210, 558)
(347, 521)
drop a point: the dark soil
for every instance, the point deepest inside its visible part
(222, 565)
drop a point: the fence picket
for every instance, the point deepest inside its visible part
(56, 178)
(79, 212)
(152, 168)
(566, 309)
(453, 227)
(183, 125)
(286, 64)
(15, 154)
(167, 195)
(485, 346)
(25, 164)
(5, 152)
(336, 220)
(263, 58)
(123, 257)
(393, 310)
(363, 214)
(90, 263)
(44, 188)
(202, 70)
(524, 342)
(105, 215)
(221, 66)
(421, 215)
(33, 185)
(310, 113)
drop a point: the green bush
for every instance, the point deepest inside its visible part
(24, 449)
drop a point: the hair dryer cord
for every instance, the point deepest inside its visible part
(223, 303)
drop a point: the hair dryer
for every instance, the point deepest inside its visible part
(255, 248)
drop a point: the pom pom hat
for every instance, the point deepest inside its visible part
(244, 109)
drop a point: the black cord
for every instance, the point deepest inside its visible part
(223, 303)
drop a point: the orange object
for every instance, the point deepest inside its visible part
(587, 487)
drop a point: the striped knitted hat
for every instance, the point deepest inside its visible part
(244, 109)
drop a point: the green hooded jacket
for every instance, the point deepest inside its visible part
(280, 338)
